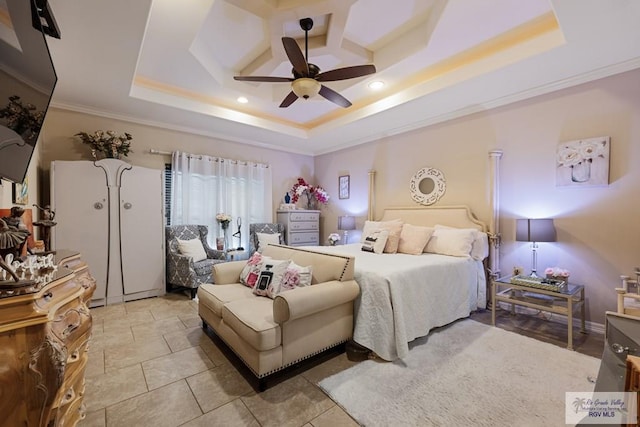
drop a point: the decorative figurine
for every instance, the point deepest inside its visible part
(46, 223)
(12, 239)
(238, 234)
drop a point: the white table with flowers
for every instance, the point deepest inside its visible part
(563, 300)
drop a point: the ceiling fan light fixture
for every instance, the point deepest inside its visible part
(305, 87)
(376, 85)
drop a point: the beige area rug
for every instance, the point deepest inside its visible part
(465, 374)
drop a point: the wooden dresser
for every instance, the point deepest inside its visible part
(44, 331)
(301, 228)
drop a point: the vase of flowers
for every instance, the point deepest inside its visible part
(557, 273)
(224, 220)
(312, 194)
(107, 143)
(333, 239)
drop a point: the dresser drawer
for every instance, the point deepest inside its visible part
(304, 226)
(304, 216)
(71, 322)
(297, 239)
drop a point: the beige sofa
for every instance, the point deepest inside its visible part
(269, 335)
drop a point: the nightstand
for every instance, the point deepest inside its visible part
(564, 300)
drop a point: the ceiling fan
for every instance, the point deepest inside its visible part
(307, 78)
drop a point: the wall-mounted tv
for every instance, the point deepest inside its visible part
(27, 80)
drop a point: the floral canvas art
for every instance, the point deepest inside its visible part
(584, 162)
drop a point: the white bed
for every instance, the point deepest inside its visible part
(404, 296)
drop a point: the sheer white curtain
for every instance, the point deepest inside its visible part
(203, 186)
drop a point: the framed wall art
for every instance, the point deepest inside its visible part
(21, 193)
(343, 187)
(583, 163)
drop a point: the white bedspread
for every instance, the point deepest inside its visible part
(403, 297)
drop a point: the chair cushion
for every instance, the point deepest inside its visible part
(252, 320)
(192, 248)
(216, 296)
(265, 238)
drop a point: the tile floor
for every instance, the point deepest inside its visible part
(151, 364)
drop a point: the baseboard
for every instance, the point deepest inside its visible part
(594, 327)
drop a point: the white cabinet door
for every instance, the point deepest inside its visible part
(142, 230)
(80, 201)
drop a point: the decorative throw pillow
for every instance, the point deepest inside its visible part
(271, 273)
(375, 242)
(251, 271)
(394, 227)
(265, 238)
(192, 248)
(480, 246)
(294, 276)
(304, 274)
(451, 241)
(413, 239)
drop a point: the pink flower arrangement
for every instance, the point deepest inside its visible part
(556, 272)
(317, 192)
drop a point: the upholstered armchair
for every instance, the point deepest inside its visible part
(266, 228)
(182, 270)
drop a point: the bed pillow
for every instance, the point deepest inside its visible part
(192, 248)
(375, 241)
(251, 271)
(480, 246)
(414, 239)
(451, 241)
(394, 227)
(265, 238)
(271, 274)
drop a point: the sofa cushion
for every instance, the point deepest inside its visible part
(252, 320)
(216, 296)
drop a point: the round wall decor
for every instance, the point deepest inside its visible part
(427, 186)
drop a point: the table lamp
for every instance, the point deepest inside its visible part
(534, 231)
(346, 223)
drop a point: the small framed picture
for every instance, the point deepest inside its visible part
(21, 193)
(343, 187)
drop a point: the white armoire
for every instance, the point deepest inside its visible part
(113, 213)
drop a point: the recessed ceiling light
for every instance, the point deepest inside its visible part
(242, 100)
(376, 85)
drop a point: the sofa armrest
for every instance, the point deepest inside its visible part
(301, 302)
(227, 272)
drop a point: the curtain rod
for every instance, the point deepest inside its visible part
(164, 153)
(217, 159)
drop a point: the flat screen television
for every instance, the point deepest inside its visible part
(27, 81)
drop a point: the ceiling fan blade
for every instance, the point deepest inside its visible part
(288, 100)
(267, 79)
(346, 73)
(295, 56)
(334, 97)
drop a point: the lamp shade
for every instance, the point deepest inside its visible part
(535, 230)
(346, 223)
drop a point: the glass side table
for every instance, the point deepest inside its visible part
(564, 301)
